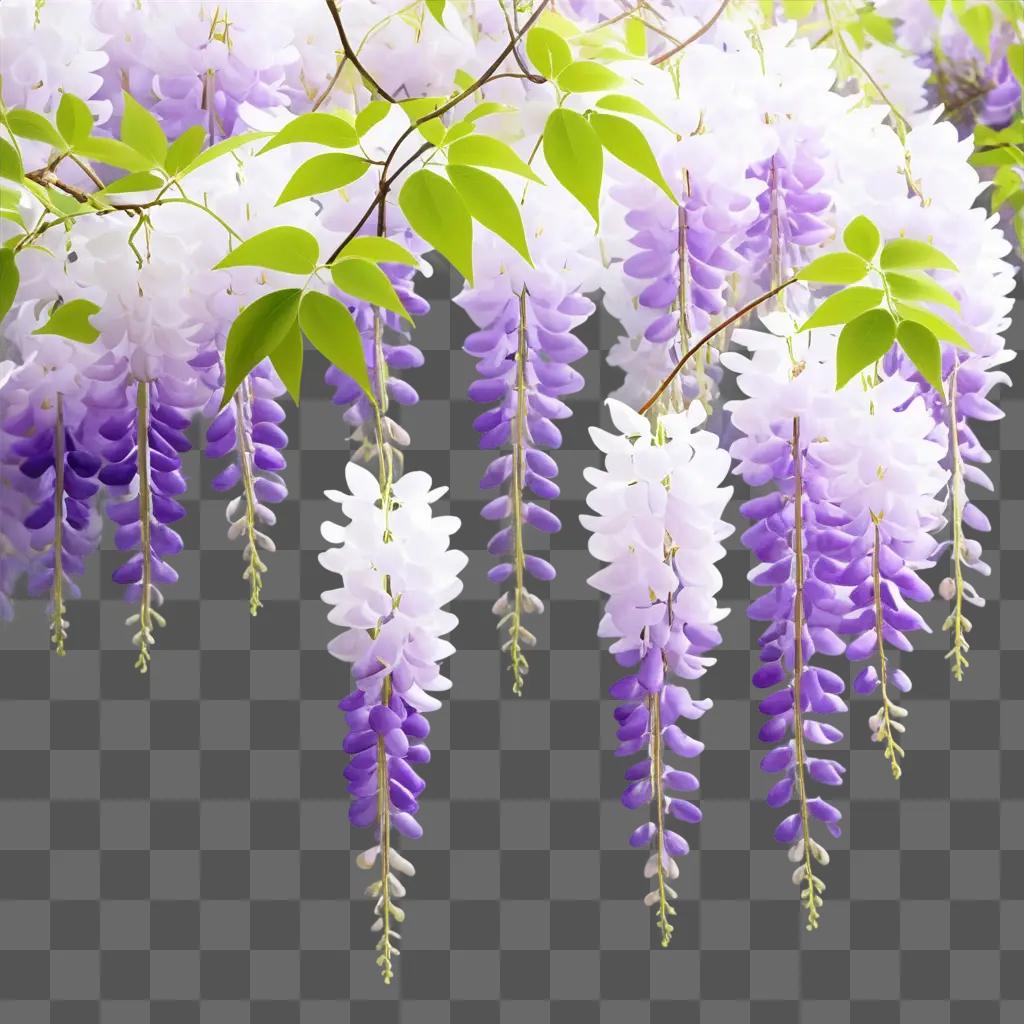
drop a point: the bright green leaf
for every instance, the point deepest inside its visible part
(492, 205)
(938, 325)
(549, 53)
(74, 118)
(588, 76)
(862, 342)
(1015, 58)
(920, 288)
(288, 249)
(319, 128)
(977, 23)
(256, 332)
(436, 213)
(331, 330)
(27, 124)
(365, 280)
(487, 109)
(422, 106)
(220, 148)
(71, 320)
(372, 114)
(575, 155)
(835, 268)
(380, 250)
(457, 131)
(842, 307)
(287, 361)
(185, 148)
(11, 166)
(636, 37)
(879, 27)
(628, 105)
(9, 281)
(436, 9)
(323, 173)
(142, 131)
(923, 348)
(137, 181)
(484, 151)
(910, 254)
(862, 237)
(114, 153)
(625, 141)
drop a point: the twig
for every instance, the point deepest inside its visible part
(738, 315)
(330, 85)
(661, 58)
(386, 179)
(351, 54)
(536, 79)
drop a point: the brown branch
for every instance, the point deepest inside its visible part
(45, 177)
(536, 79)
(386, 179)
(351, 54)
(738, 315)
(661, 58)
(330, 85)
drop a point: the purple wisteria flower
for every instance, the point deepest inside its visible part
(658, 526)
(143, 453)
(523, 356)
(801, 541)
(247, 429)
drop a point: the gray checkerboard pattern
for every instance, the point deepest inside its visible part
(174, 849)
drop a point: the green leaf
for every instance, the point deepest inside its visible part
(9, 281)
(137, 181)
(436, 9)
(288, 249)
(862, 237)
(492, 205)
(862, 342)
(636, 37)
(436, 213)
(287, 361)
(380, 250)
(625, 141)
(27, 124)
(331, 330)
(923, 348)
(185, 148)
(574, 154)
(487, 109)
(977, 23)
(549, 53)
(220, 148)
(323, 173)
(319, 128)
(484, 151)
(114, 153)
(372, 114)
(938, 325)
(365, 280)
(257, 331)
(879, 26)
(842, 307)
(920, 288)
(588, 76)
(628, 105)
(910, 254)
(422, 106)
(835, 268)
(74, 118)
(11, 166)
(1015, 58)
(457, 131)
(71, 320)
(142, 131)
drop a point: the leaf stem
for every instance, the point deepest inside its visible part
(727, 322)
(351, 54)
(58, 630)
(893, 751)
(518, 476)
(706, 27)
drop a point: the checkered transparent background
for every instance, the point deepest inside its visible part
(174, 849)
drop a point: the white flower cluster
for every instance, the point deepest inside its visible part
(398, 572)
(658, 525)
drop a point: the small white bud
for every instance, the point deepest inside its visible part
(947, 589)
(367, 858)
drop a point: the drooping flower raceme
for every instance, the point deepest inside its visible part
(398, 572)
(658, 526)
(797, 535)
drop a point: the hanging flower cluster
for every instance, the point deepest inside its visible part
(199, 200)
